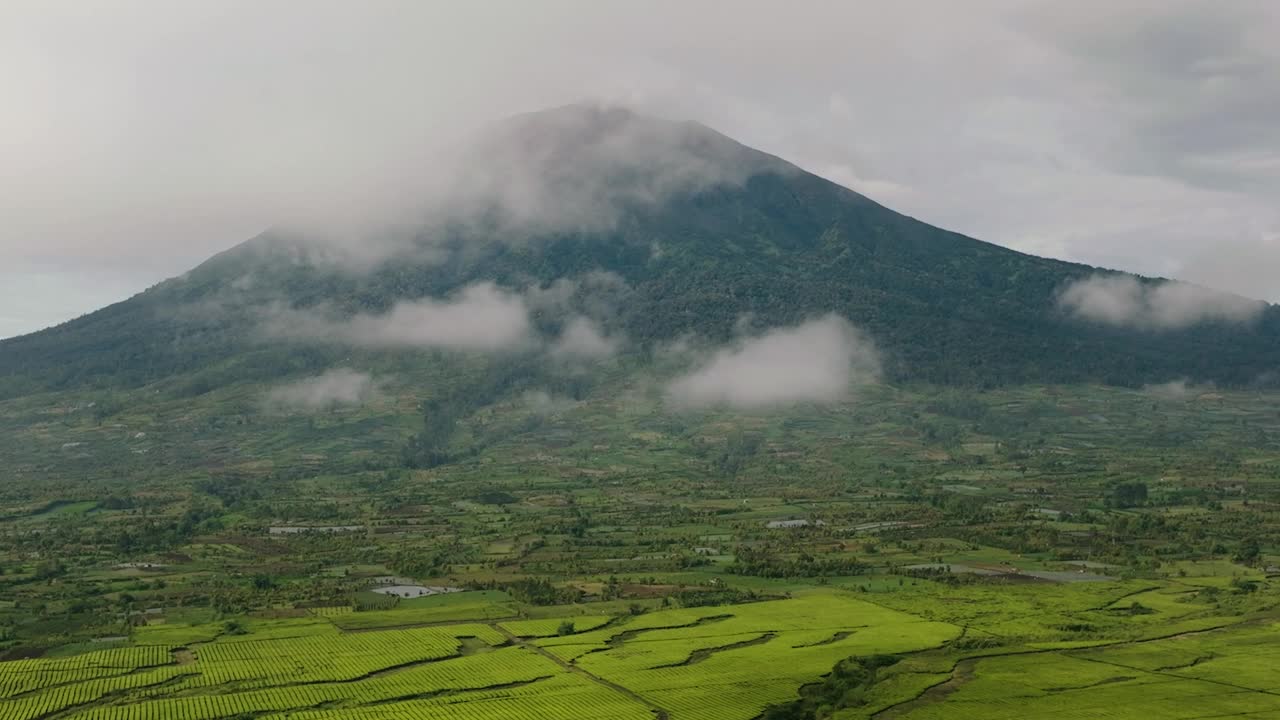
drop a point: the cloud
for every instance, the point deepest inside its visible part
(579, 167)
(586, 305)
(1191, 84)
(582, 339)
(1124, 301)
(569, 169)
(1132, 135)
(337, 387)
(540, 402)
(813, 362)
(572, 315)
(481, 317)
(1176, 390)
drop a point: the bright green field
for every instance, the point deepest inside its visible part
(702, 663)
(1234, 673)
(721, 662)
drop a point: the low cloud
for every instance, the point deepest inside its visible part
(566, 322)
(582, 339)
(540, 402)
(335, 388)
(577, 168)
(481, 317)
(816, 361)
(1176, 390)
(581, 167)
(1124, 301)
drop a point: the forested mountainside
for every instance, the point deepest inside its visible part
(699, 232)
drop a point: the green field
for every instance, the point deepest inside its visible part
(713, 663)
(669, 659)
(919, 553)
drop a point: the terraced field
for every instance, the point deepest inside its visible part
(720, 662)
(709, 663)
(1215, 674)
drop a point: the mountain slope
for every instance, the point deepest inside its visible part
(702, 232)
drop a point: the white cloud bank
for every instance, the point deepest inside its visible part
(582, 339)
(337, 387)
(816, 361)
(1123, 301)
(541, 402)
(482, 317)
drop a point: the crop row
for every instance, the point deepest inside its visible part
(565, 696)
(323, 658)
(548, 627)
(62, 697)
(21, 676)
(504, 668)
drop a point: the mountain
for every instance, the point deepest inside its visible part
(683, 230)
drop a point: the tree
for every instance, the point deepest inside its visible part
(1249, 552)
(1129, 494)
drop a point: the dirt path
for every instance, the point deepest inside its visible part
(659, 712)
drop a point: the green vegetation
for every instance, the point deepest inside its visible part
(992, 552)
(1005, 527)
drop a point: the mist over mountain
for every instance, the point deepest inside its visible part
(585, 235)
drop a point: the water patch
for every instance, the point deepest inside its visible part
(414, 591)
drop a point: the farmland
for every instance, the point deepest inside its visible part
(716, 662)
(710, 662)
(917, 553)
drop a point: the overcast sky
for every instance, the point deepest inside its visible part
(137, 138)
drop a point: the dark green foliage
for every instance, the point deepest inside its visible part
(370, 601)
(1250, 551)
(234, 492)
(843, 688)
(1244, 587)
(1129, 494)
(496, 497)
(534, 591)
(703, 597)
(472, 389)
(49, 569)
(762, 562)
(426, 564)
(738, 449)
(440, 417)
